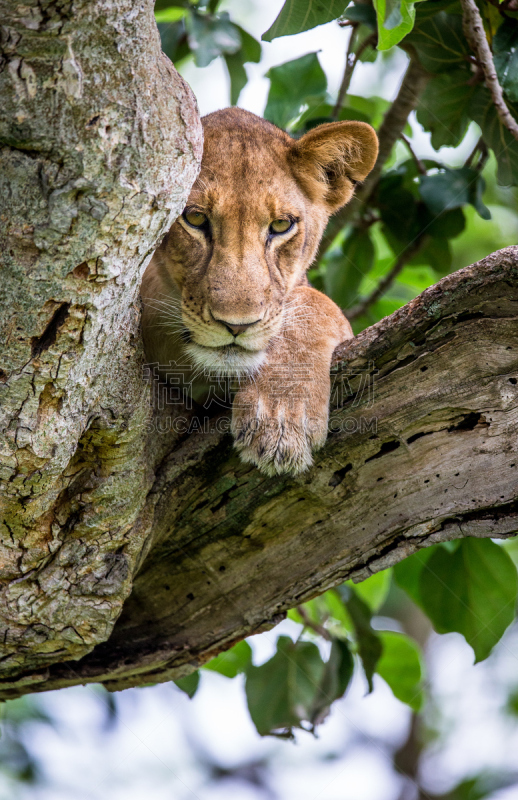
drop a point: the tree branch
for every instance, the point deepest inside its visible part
(422, 450)
(419, 164)
(475, 34)
(314, 626)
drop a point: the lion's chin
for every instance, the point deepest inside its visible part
(229, 361)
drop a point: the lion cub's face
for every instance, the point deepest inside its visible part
(251, 228)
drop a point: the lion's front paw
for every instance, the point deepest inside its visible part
(278, 437)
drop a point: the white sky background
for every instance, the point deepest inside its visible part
(161, 739)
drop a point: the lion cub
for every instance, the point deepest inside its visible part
(227, 288)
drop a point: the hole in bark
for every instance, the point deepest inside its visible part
(379, 479)
(386, 447)
(427, 480)
(92, 121)
(48, 337)
(467, 423)
(166, 587)
(81, 271)
(417, 436)
(221, 502)
(338, 476)
(513, 381)
(222, 568)
(190, 596)
(467, 315)
(3, 376)
(423, 369)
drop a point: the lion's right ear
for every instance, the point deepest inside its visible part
(331, 158)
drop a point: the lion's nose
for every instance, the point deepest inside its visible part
(236, 327)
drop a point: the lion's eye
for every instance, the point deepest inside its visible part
(195, 218)
(281, 225)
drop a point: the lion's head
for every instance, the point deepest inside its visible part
(251, 228)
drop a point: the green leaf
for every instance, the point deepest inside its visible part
(444, 107)
(362, 13)
(447, 225)
(211, 36)
(301, 15)
(280, 693)
(398, 208)
(294, 85)
(369, 53)
(237, 75)
(437, 253)
(400, 666)
(407, 573)
(496, 135)
(369, 644)
(471, 590)
(189, 684)
(453, 188)
(336, 677)
(233, 661)
(346, 270)
(173, 37)
(374, 590)
(505, 55)
(250, 51)
(439, 40)
(395, 20)
(322, 112)
(171, 14)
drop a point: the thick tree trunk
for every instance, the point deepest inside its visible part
(100, 142)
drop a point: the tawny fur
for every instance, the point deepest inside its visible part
(234, 272)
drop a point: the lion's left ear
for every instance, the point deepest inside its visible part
(331, 158)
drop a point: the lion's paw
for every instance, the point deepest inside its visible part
(280, 441)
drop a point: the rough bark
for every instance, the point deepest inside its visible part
(100, 142)
(424, 453)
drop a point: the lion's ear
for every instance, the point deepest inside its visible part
(331, 158)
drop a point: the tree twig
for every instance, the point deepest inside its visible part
(384, 284)
(414, 81)
(350, 63)
(481, 148)
(308, 623)
(475, 34)
(351, 60)
(419, 164)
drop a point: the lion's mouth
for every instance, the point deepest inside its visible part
(226, 360)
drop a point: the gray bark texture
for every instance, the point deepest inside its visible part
(104, 505)
(100, 142)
